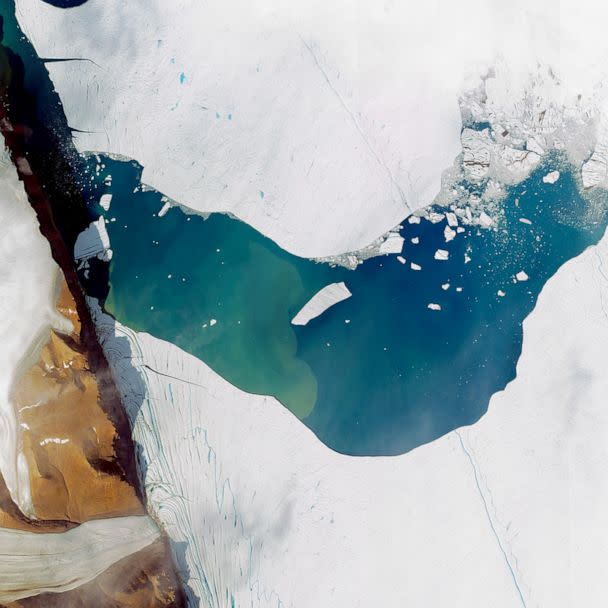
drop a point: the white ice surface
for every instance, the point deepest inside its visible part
(27, 278)
(32, 563)
(93, 241)
(512, 511)
(319, 123)
(325, 298)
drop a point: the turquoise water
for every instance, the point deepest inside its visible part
(379, 373)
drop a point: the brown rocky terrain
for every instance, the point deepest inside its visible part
(78, 477)
(68, 439)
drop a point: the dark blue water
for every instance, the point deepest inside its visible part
(379, 373)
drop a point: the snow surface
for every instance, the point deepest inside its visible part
(27, 312)
(323, 123)
(511, 511)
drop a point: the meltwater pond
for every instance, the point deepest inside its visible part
(379, 373)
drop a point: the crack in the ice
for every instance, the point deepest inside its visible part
(600, 268)
(176, 378)
(487, 510)
(355, 122)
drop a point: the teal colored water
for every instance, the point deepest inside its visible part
(379, 373)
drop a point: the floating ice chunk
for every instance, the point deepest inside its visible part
(476, 152)
(458, 289)
(212, 322)
(467, 258)
(442, 254)
(459, 230)
(415, 266)
(401, 259)
(595, 170)
(414, 219)
(449, 234)
(416, 240)
(551, 177)
(445, 286)
(435, 218)
(433, 306)
(485, 220)
(452, 219)
(321, 301)
(93, 242)
(518, 162)
(105, 201)
(500, 293)
(521, 276)
(393, 244)
(524, 220)
(164, 209)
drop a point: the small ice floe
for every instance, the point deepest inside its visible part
(467, 258)
(521, 276)
(434, 217)
(93, 242)
(393, 243)
(449, 234)
(458, 289)
(325, 298)
(442, 255)
(107, 180)
(413, 219)
(401, 259)
(416, 240)
(500, 293)
(164, 209)
(415, 266)
(25, 425)
(525, 220)
(452, 219)
(347, 321)
(212, 322)
(459, 230)
(105, 201)
(551, 177)
(433, 306)
(445, 286)
(55, 440)
(485, 220)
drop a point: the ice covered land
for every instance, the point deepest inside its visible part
(32, 563)
(27, 312)
(323, 123)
